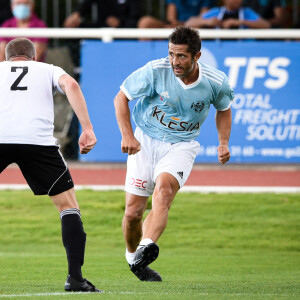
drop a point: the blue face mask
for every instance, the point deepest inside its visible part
(21, 11)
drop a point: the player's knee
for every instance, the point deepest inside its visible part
(133, 216)
(165, 191)
(65, 200)
(163, 197)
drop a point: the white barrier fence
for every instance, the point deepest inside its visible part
(109, 34)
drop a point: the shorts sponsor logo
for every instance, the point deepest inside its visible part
(139, 183)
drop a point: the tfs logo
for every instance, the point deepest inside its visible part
(258, 67)
(139, 183)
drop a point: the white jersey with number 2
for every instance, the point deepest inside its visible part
(26, 102)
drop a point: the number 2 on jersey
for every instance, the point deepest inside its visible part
(15, 86)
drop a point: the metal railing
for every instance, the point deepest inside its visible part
(109, 34)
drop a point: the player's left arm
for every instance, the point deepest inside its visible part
(223, 123)
(71, 88)
(222, 104)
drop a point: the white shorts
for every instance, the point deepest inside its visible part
(156, 157)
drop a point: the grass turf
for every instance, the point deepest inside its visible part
(216, 246)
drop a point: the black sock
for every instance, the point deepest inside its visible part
(74, 238)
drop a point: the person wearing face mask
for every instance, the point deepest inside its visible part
(24, 17)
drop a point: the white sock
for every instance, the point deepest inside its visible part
(144, 242)
(129, 256)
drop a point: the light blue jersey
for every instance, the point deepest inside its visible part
(169, 110)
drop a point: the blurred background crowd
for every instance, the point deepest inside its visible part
(229, 14)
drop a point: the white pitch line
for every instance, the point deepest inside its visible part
(44, 294)
(241, 189)
(136, 293)
(187, 188)
(12, 255)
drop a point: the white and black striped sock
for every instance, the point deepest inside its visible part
(70, 211)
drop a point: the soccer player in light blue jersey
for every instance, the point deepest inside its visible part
(175, 94)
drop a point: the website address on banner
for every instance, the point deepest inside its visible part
(250, 151)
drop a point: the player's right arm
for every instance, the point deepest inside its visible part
(129, 143)
(71, 88)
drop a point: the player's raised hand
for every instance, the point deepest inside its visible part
(87, 141)
(223, 154)
(130, 145)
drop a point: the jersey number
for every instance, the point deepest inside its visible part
(15, 86)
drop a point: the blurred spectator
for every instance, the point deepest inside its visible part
(111, 13)
(232, 15)
(271, 10)
(5, 12)
(23, 17)
(178, 12)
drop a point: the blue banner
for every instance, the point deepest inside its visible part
(265, 78)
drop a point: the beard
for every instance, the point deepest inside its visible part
(185, 71)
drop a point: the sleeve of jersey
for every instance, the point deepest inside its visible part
(211, 13)
(224, 97)
(57, 72)
(139, 83)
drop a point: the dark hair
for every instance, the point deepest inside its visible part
(20, 47)
(183, 35)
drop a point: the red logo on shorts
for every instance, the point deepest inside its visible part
(139, 183)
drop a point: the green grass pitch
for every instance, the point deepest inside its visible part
(216, 246)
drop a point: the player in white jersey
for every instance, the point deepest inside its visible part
(26, 138)
(175, 94)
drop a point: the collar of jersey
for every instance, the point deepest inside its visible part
(190, 86)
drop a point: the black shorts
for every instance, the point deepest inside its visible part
(43, 167)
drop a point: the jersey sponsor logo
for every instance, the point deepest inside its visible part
(198, 106)
(139, 183)
(175, 124)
